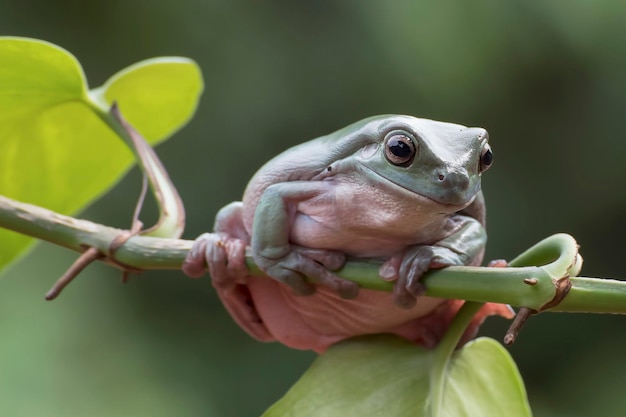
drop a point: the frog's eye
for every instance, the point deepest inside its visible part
(486, 158)
(399, 150)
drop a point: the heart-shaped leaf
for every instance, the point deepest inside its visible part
(56, 151)
(387, 376)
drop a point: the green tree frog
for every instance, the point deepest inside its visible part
(397, 188)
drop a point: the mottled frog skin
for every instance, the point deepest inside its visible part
(397, 188)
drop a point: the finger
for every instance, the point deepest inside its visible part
(389, 271)
(194, 265)
(236, 262)
(498, 263)
(320, 275)
(217, 261)
(330, 259)
(401, 296)
(293, 279)
(408, 286)
(417, 269)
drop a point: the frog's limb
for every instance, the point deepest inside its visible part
(223, 254)
(195, 264)
(464, 247)
(331, 260)
(297, 267)
(230, 220)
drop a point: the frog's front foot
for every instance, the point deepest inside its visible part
(406, 269)
(303, 268)
(223, 256)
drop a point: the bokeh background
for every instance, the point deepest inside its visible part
(546, 78)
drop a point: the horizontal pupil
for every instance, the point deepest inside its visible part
(399, 148)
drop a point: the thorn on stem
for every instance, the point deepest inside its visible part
(522, 315)
(531, 281)
(81, 263)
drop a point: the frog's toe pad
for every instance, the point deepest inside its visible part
(303, 268)
(411, 269)
(318, 274)
(223, 256)
(330, 259)
(498, 263)
(195, 264)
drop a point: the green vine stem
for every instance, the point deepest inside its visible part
(443, 354)
(523, 285)
(171, 222)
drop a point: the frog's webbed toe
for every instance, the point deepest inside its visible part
(406, 270)
(303, 268)
(195, 264)
(223, 256)
(223, 252)
(330, 259)
(408, 267)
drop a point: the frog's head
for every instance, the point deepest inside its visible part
(441, 161)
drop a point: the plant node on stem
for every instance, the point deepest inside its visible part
(165, 194)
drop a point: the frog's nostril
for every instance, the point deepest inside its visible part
(453, 179)
(451, 185)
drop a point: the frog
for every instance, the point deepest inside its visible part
(402, 190)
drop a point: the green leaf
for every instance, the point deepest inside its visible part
(156, 96)
(483, 380)
(384, 375)
(55, 149)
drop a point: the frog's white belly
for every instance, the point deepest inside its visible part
(338, 235)
(365, 220)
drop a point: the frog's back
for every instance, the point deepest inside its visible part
(304, 161)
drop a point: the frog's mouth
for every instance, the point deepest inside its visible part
(454, 202)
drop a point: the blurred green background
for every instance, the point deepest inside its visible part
(546, 78)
